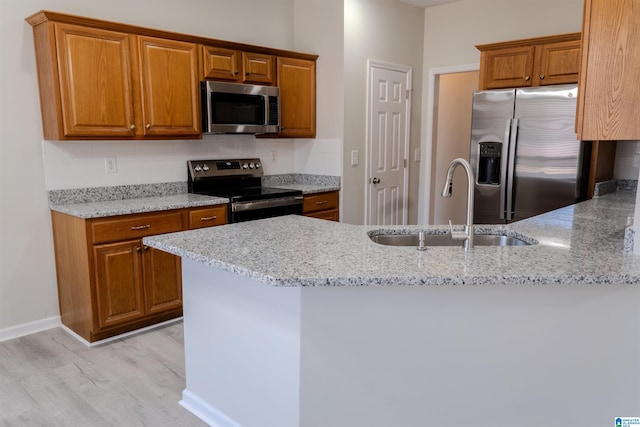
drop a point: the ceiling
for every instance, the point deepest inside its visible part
(428, 3)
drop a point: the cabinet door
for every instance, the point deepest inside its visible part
(162, 280)
(608, 90)
(258, 68)
(297, 82)
(169, 82)
(220, 63)
(95, 82)
(508, 67)
(119, 291)
(559, 63)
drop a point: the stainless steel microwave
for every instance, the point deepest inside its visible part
(239, 108)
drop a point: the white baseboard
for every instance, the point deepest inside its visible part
(29, 328)
(205, 412)
(121, 336)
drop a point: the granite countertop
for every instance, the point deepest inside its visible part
(136, 205)
(128, 199)
(580, 244)
(310, 188)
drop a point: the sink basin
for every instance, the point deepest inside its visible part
(445, 240)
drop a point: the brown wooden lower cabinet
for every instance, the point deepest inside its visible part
(322, 205)
(108, 281)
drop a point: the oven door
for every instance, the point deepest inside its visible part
(259, 209)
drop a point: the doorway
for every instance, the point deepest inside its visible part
(449, 118)
(388, 125)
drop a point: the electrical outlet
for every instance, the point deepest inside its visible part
(110, 165)
(274, 156)
(355, 157)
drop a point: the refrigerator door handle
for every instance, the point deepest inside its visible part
(513, 141)
(503, 170)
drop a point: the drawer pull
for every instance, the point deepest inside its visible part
(322, 202)
(141, 227)
(209, 218)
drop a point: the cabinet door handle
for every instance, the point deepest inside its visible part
(132, 127)
(541, 76)
(148, 126)
(322, 202)
(236, 72)
(138, 248)
(146, 248)
(208, 218)
(527, 78)
(141, 227)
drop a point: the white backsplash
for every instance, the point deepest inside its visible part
(80, 164)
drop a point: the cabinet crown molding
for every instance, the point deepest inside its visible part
(47, 15)
(531, 41)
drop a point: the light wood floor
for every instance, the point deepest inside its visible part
(52, 379)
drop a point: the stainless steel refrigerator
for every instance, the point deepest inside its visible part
(525, 154)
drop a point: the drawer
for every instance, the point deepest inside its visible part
(207, 217)
(330, 215)
(135, 226)
(320, 202)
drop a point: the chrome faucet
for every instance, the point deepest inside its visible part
(467, 234)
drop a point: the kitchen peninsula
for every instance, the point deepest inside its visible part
(294, 321)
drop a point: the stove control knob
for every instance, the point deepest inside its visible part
(205, 167)
(258, 165)
(245, 166)
(252, 165)
(198, 168)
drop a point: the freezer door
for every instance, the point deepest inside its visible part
(490, 128)
(548, 157)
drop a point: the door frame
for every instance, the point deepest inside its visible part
(408, 70)
(425, 190)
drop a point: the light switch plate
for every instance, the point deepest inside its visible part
(355, 157)
(417, 154)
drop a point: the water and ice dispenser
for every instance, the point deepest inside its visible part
(489, 160)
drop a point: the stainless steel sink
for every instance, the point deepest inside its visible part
(445, 240)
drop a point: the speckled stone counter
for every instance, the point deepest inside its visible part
(581, 244)
(138, 205)
(128, 199)
(295, 321)
(308, 184)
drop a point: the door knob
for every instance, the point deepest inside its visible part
(376, 180)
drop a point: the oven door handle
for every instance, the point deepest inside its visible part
(265, 204)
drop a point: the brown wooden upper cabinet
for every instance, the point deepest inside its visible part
(609, 92)
(297, 82)
(530, 62)
(97, 82)
(237, 66)
(107, 80)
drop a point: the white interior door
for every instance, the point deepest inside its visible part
(388, 143)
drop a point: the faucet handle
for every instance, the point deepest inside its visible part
(457, 235)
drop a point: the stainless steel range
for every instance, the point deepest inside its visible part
(240, 180)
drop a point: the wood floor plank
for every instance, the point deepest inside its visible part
(52, 379)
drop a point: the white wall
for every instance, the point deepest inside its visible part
(318, 28)
(30, 166)
(627, 164)
(452, 31)
(388, 31)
